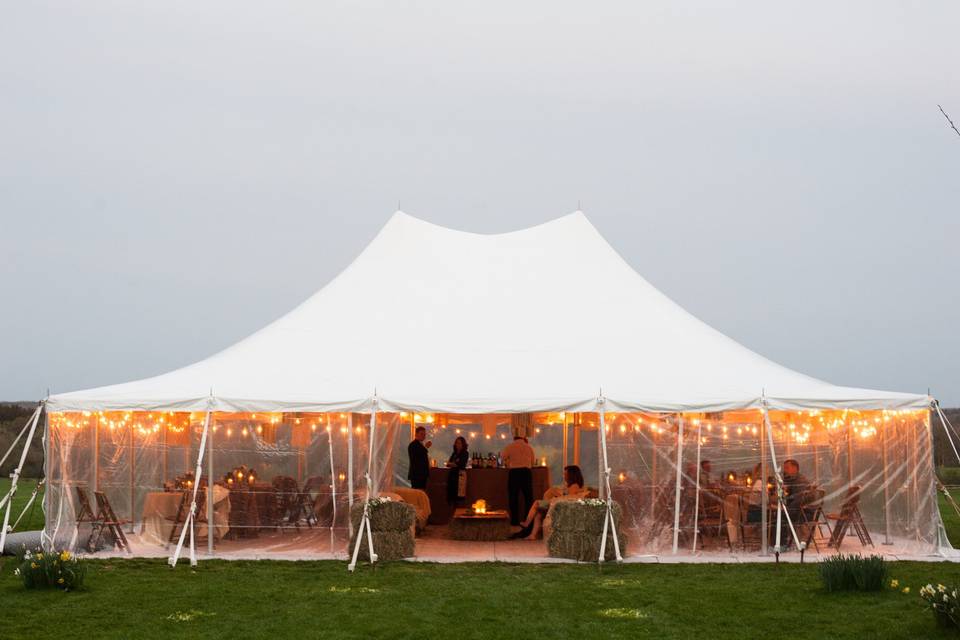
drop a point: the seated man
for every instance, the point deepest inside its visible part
(797, 495)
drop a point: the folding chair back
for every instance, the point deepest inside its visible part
(85, 513)
(849, 516)
(107, 519)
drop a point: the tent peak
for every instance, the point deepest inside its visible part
(403, 218)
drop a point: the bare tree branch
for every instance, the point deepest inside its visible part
(952, 126)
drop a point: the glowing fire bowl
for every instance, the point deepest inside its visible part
(487, 526)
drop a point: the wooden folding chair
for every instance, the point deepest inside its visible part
(711, 522)
(86, 514)
(849, 516)
(107, 519)
(816, 520)
(288, 502)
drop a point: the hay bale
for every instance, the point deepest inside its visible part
(392, 525)
(578, 528)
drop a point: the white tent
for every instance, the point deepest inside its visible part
(429, 318)
(548, 321)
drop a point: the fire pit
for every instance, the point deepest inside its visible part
(477, 523)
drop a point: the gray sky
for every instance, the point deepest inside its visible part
(174, 175)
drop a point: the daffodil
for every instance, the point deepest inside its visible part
(906, 589)
(60, 581)
(33, 565)
(894, 584)
(65, 555)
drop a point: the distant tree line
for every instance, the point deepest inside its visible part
(13, 415)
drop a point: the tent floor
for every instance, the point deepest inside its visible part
(434, 545)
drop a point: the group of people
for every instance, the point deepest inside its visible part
(518, 458)
(798, 495)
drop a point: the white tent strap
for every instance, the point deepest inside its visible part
(781, 508)
(26, 507)
(15, 476)
(944, 423)
(188, 523)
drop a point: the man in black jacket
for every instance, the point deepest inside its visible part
(419, 459)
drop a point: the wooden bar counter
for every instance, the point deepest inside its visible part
(488, 484)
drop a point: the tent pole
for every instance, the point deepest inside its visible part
(163, 450)
(886, 487)
(849, 455)
(653, 475)
(577, 419)
(696, 501)
(601, 467)
(333, 476)
(96, 455)
(365, 526)
(15, 476)
(350, 472)
(565, 440)
(781, 505)
(676, 494)
(210, 516)
(764, 494)
(133, 474)
(608, 523)
(188, 524)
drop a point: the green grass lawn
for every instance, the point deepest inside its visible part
(221, 599)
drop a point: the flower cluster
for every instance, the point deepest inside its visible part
(942, 600)
(592, 502)
(38, 569)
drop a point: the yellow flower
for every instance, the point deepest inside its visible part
(60, 581)
(894, 584)
(65, 555)
(39, 556)
(33, 565)
(906, 589)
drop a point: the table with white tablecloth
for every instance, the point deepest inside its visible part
(160, 511)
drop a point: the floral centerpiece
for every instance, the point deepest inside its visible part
(39, 569)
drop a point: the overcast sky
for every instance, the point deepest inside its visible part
(174, 175)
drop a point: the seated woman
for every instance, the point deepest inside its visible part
(572, 487)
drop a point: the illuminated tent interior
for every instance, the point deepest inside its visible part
(460, 333)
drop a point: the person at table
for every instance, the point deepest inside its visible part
(796, 490)
(419, 459)
(573, 487)
(457, 464)
(751, 502)
(519, 458)
(706, 473)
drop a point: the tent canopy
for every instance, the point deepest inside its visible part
(434, 319)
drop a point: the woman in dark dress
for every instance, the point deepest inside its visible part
(457, 464)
